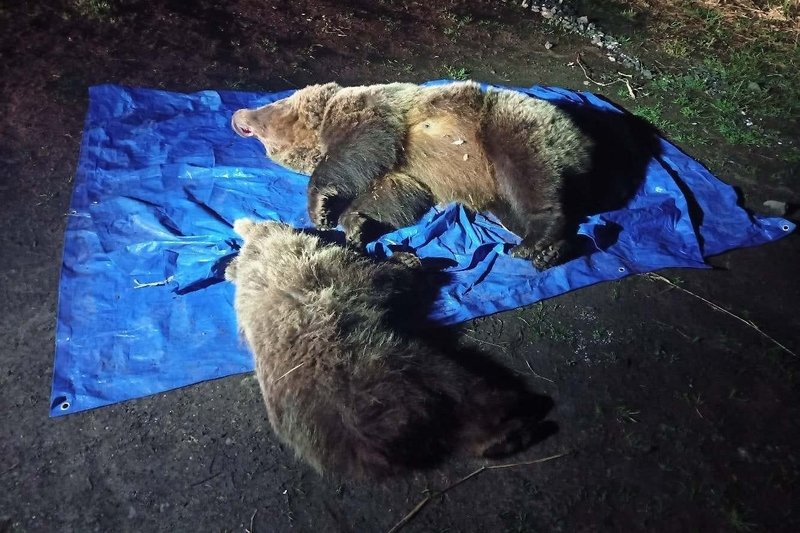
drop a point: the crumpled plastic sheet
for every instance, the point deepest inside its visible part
(143, 306)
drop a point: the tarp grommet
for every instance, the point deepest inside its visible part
(621, 269)
(785, 227)
(64, 405)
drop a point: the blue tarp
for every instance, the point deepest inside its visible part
(143, 307)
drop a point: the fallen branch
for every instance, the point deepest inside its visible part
(251, 530)
(407, 518)
(481, 341)
(534, 372)
(624, 78)
(749, 323)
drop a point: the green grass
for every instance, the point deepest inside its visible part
(733, 79)
(93, 9)
(629, 13)
(543, 325)
(454, 24)
(626, 414)
(400, 66)
(456, 73)
(269, 45)
(737, 521)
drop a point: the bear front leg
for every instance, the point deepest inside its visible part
(362, 141)
(393, 201)
(325, 205)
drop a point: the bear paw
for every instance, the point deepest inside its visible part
(407, 259)
(543, 254)
(360, 229)
(320, 210)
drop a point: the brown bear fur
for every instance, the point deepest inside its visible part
(348, 392)
(380, 156)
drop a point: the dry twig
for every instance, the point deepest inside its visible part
(251, 530)
(481, 341)
(749, 323)
(411, 514)
(534, 372)
(624, 78)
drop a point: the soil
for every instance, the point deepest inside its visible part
(674, 416)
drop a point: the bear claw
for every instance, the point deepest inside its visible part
(543, 255)
(362, 229)
(353, 224)
(321, 213)
(407, 259)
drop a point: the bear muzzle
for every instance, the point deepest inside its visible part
(240, 125)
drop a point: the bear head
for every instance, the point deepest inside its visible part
(270, 251)
(252, 233)
(289, 129)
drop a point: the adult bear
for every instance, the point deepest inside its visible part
(380, 156)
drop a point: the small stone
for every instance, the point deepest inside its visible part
(743, 453)
(546, 13)
(228, 441)
(776, 207)
(753, 86)
(466, 156)
(586, 82)
(647, 74)
(535, 9)
(583, 20)
(612, 59)
(524, 4)
(548, 45)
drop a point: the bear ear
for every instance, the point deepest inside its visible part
(244, 227)
(231, 269)
(312, 100)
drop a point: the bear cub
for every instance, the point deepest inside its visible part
(348, 392)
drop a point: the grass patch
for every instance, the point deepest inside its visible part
(269, 45)
(456, 73)
(725, 96)
(400, 66)
(454, 24)
(737, 521)
(733, 74)
(93, 9)
(677, 131)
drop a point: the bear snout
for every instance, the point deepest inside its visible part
(240, 125)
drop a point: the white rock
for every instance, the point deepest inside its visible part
(776, 207)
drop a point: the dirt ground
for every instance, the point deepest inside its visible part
(674, 416)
